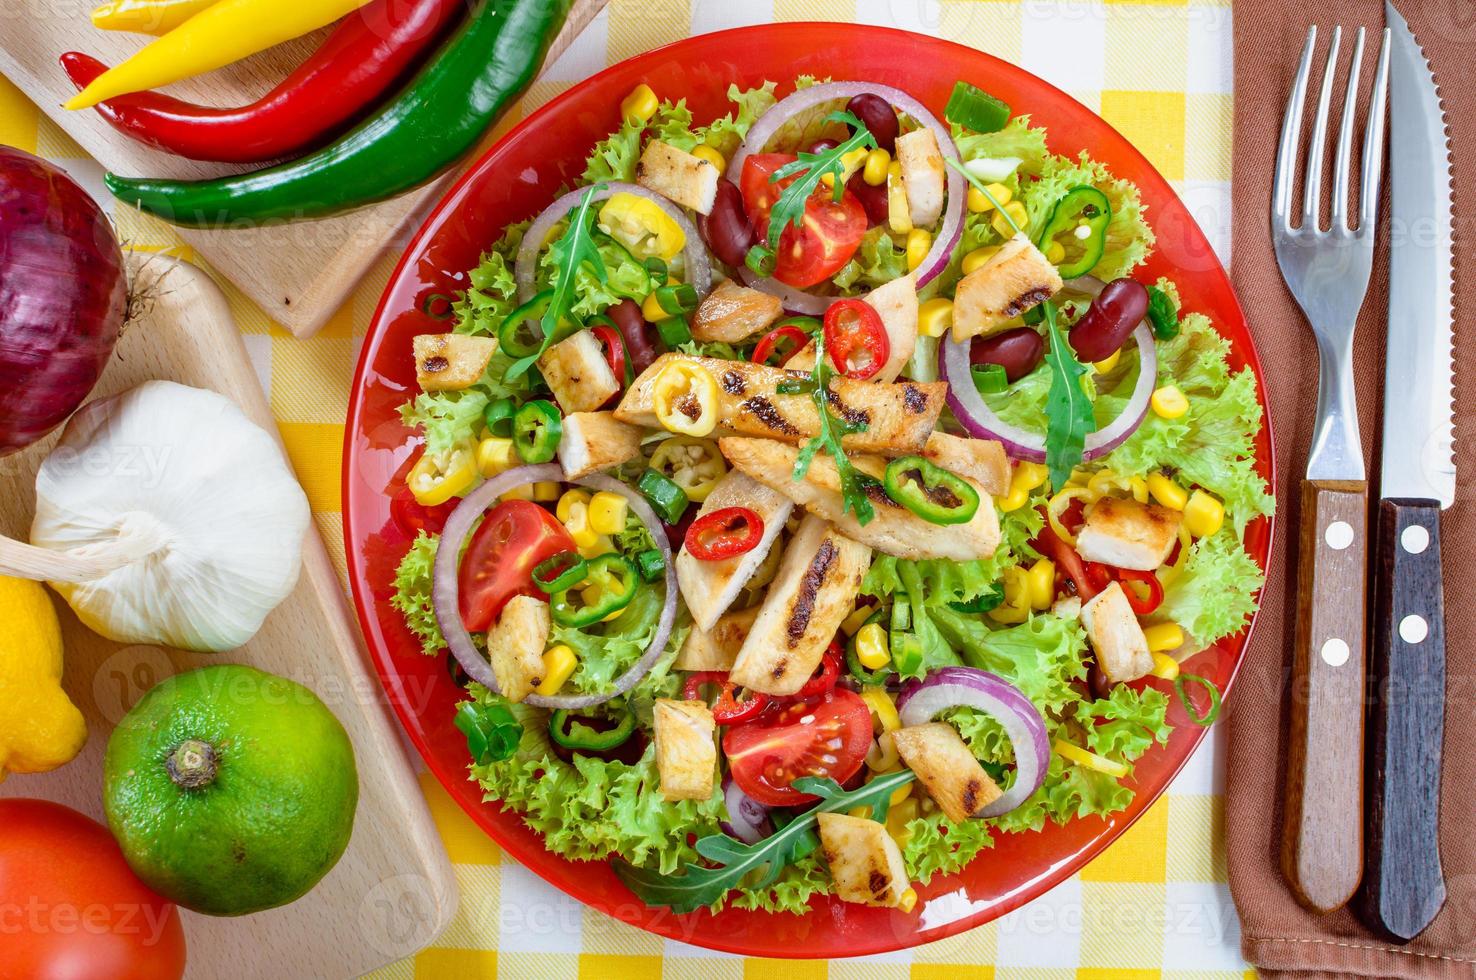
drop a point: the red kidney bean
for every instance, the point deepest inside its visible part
(726, 228)
(640, 342)
(1109, 321)
(820, 146)
(1018, 351)
(879, 116)
(873, 199)
(1097, 682)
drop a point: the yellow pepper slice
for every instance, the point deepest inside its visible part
(693, 464)
(147, 16)
(1088, 760)
(641, 226)
(440, 476)
(686, 399)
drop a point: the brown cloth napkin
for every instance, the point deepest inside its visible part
(1278, 935)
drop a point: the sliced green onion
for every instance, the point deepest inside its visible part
(990, 379)
(677, 299)
(498, 417)
(973, 108)
(673, 331)
(650, 564)
(657, 270)
(664, 494)
(761, 261)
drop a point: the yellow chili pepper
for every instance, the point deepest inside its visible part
(218, 36)
(565, 509)
(856, 620)
(695, 465)
(1057, 506)
(641, 225)
(1040, 583)
(882, 707)
(1016, 607)
(440, 476)
(494, 455)
(147, 16)
(686, 399)
(1088, 760)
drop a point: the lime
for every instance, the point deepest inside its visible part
(230, 790)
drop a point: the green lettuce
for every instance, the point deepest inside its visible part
(614, 158)
(625, 278)
(1215, 595)
(877, 262)
(607, 650)
(944, 581)
(1017, 139)
(413, 593)
(446, 417)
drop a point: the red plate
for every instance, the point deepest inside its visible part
(520, 176)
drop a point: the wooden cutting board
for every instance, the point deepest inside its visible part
(299, 273)
(393, 891)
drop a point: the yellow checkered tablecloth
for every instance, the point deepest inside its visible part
(1154, 905)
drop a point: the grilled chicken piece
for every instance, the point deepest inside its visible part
(686, 755)
(451, 361)
(894, 530)
(594, 441)
(578, 374)
(1016, 279)
(1116, 636)
(813, 591)
(924, 175)
(896, 303)
(865, 862)
(678, 176)
(947, 769)
(898, 417)
(732, 313)
(709, 587)
(515, 646)
(1128, 534)
(716, 649)
(982, 461)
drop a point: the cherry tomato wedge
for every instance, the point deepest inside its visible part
(413, 517)
(768, 345)
(728, 709)
(826, 735)
(514, 538)
(724, 533)
(825, 239)
(1068, 562)
(856, 339)
(828, 673)
(609, 338)
(1142, 604)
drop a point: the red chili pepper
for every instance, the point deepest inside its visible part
(1068, 561)
(727, 709)
(724, 533)
(365, 56)
(614, 349)
(1141, 605)
(824, 681)
(412, 517)
(769, 345)
(855, 338)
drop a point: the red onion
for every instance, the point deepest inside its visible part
(445, 588)
(770, 123)
(975, 415)
(63, 297)
(698, 271)
(748, 819)
(969, 687)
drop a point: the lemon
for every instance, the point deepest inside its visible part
(39, 728)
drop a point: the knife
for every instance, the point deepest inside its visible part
(1404, 887)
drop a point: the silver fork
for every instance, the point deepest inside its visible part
(1327, 271)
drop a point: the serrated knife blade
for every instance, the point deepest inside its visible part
(1418, 460)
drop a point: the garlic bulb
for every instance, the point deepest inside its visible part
(186, 510)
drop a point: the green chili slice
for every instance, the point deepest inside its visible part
(1082, 206)
(520, 335)
(677, 299)
(1208, 718)
(562, 571)
(664, 494)
(650, 564)
(673, 331)
(537, 429)
(931, 492)
(575, 732)
(498, 417)
(656, 269)
(615, 581)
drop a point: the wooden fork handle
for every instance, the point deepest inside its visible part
(1322, 843)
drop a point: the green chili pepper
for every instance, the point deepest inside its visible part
(434, 120)
(537, 429)
(520, 335)
(492, 733)
(677, 299)
(853, 662)
(931, 492)
(498, 417)
(907, 653)
(651, 564)
(563, 571)
(1082, 205)
(617, 582)
(973, 108)
(1208, 718)
(656, 269)
(572, 732)
(673, 331)
(990, 379)
(669, 499)
(901, 616)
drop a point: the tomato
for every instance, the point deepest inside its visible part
(412, 517)
(70, 907)
(512, 540)
(818, 736)
(824, 241)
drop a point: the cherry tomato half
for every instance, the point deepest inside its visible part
(855, 339)
(826, 238)
(821, 736)
(513, 539)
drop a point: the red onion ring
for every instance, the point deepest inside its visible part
(445, 590)
(975, 415)
(807, 98)
(698, 271)
(969, 687)
(748, 819)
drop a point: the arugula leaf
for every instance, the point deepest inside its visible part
(1069, 415)
(492, 733)
(832, 431)
(764, 860)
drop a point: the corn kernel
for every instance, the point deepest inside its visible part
(1163, 636)
(651, 309)
(871, 647)
(567, 502)
(1016, 212)
(559, 663)
(935, 317)
(1014, 500)
(603, 544)
(1203, 514)
(908, 901)
(899, 794)
(1169, 402)
(1040, 583)
(577, 524)
(495, 454)
(1167, 492)
(524, 492)
(919, 241)
(1107, 363)
(874, 172)
(640, 105)
(546, 491)
(1055, 252)
(712, 156)
(607, 512)
(978, 257)
(857, 619)
(1164, 666)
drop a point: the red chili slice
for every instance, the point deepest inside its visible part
(727, 709)
(769, 345)
(1142, 605)
(855, 338)
(724, 533)
(614, 349)
(824, 681)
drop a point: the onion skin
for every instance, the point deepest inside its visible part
(63, 297)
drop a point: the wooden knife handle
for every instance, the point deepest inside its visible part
(1322, 843)
(1405, 888)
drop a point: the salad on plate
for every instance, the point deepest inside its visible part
(812, 495)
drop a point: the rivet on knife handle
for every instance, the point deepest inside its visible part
(1405, 888)
(1322, 843)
